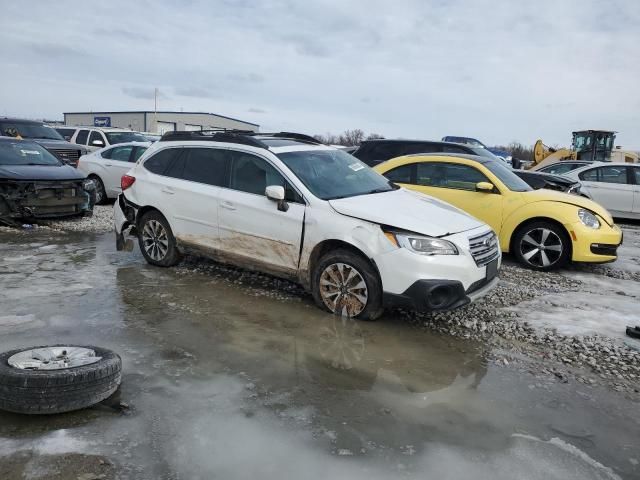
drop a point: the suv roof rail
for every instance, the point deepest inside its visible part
(245, 137)
(215, 135)
(293, 136)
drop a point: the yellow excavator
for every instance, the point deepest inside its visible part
(590, 145)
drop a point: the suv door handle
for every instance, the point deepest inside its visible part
(227, 205)
(108, 165)
(168, 190)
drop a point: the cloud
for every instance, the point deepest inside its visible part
(119, 34)
(256, 110)
(146, 93)
(195, 92)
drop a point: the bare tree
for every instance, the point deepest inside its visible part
(348, 138)
(353, 137)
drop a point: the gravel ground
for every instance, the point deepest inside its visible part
(100, 222)
(591, 359)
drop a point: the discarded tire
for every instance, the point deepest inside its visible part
(57, 379)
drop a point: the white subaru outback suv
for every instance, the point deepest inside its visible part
(287, 205)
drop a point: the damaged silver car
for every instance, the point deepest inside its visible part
(34, 184)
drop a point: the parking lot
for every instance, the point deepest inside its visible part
(235, 374)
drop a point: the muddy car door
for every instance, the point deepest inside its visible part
(253, 229)
(198, 175)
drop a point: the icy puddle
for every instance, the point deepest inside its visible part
(224, 379)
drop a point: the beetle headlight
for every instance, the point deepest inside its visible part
(423, 245)
(588, 218)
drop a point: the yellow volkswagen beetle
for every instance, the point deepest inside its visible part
(544, 229)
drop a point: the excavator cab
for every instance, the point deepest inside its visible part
(593, 145)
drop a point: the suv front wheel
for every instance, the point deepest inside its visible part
(157, 243)
(344, 283)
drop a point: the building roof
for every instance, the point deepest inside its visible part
(162, 111)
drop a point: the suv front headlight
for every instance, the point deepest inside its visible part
(423, 245)
(588, 218)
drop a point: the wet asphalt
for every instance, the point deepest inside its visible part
(232, 379)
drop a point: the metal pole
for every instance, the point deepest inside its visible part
(155, 108)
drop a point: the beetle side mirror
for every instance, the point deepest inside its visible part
(484, 187)
(276, 193)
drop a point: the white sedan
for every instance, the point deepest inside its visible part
(106, 166)
(614, 185)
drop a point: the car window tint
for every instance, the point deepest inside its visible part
(67, 133)
(420, 147)
(636, 172)
(589, 175)
(449, 175)
(385, 151)
(95, 136)
(253, 174)
(137, 153)
(159, 162)
(454, 149)
(106, 153)
(613, 174)
(403, 174)
(559, 168)
(82, 136)
(121, 154)
(206, 165)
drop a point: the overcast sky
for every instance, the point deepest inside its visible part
(492, 69)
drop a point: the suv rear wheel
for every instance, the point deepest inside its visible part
(157, 243)
(344, 283)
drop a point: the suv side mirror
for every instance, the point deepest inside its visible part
(276, 193)
(484, 187)
(97, 143)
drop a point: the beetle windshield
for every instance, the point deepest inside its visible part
(506, 176)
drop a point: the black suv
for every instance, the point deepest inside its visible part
(43, 135)
(373, 152)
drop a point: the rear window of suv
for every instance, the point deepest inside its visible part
(159, 162)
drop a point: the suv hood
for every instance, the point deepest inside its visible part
(407, 210)
(50, 143)
(544, 195)
(39, 172)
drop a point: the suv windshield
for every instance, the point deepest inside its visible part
(331, 174)
(25, 153)
(506, 176)
(122, 137)
(29, 130)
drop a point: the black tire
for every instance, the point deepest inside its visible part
(172, 255)
(100, 192)
(373, 307)
(556, 236)
(58, 391)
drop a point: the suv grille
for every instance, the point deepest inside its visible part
(67, 155)
(484, 248)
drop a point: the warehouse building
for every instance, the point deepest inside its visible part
(157, 122)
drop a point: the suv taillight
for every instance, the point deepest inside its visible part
(126, 181)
